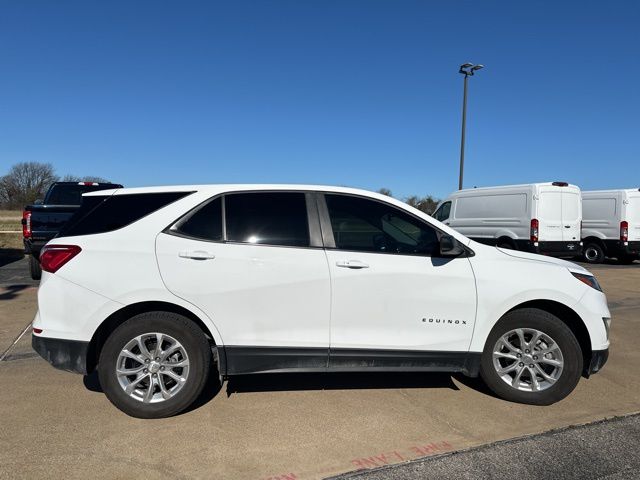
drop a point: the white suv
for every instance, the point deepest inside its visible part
(156, 287)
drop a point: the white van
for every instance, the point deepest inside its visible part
(611, 225)
(537, 217)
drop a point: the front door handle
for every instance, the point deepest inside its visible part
(197, 255)
(351, 264)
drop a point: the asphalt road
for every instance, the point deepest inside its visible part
(15, 272)
(293, 427)
(606, 449)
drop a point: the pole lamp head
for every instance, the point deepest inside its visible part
(468, 69)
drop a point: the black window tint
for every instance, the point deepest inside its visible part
(443, 212)
(105, 214)
(205, 223)
(267, 218)
(370, 226)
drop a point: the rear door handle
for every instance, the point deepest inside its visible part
(197, 255)
(351, 264)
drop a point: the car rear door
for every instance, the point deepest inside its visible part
(549, 214)
(571, 214)
(633, 216)
(254, 263)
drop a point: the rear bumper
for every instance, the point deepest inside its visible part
(598, 359)
(554, 249)
(69, 355)
(617, 247)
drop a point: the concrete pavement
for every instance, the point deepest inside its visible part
(57, 424)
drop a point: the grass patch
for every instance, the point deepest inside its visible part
(11, 241)
(10, 220)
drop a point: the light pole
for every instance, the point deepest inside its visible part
(467, 69)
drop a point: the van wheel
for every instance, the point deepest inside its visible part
(593, 253)
(34, 268)
(154, 365)
(531, 357)
(506, 245)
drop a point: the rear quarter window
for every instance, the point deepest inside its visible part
(99, 214)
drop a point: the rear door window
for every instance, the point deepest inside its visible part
(205, 223)
(267, 218)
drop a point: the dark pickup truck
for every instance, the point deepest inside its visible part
(44, 219)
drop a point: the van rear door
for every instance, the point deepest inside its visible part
(571, 214)
(550, 214)
(633, 216)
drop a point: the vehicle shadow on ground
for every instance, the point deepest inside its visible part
(11, 291)
(287, 382)
(211, 389)
(10, 255)
(337, 381)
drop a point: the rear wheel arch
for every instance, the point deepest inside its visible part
(597, 241)
(570, 318)
(119, 317)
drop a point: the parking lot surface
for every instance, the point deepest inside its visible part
(57, 424)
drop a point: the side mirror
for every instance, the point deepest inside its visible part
(38, 202)
(450, 247)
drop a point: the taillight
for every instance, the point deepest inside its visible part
(534, 230)
(26, 224)
(53, 257)
(624, 231)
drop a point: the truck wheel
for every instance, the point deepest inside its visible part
(154, 365)
(34, 268)
(531, 357)
(593, 253)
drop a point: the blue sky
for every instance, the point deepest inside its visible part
(358, 93)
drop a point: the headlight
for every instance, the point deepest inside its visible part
(588, 279)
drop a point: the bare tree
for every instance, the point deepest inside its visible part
(385, 191)
(76, 178)
(426, 204)
(25, 182)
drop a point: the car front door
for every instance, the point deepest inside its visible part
(254, 263)
(394, 303)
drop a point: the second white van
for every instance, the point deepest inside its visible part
(611, 225)
(538, 217)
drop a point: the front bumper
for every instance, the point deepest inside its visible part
(69, 355)
(598, 359)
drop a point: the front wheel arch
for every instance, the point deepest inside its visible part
(571, 319)
(117, 318)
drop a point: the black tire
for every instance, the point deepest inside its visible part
(593, 253)
(506, 245)
(626, 259)
(180, 328)
(565, 339)
(34, 268)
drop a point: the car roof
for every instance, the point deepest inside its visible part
(219, 188)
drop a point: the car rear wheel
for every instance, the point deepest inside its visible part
(531, 357)
(34, 268)
(154, 365)
(593, 253)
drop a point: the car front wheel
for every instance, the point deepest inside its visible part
(531, 357)
(154, 365)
